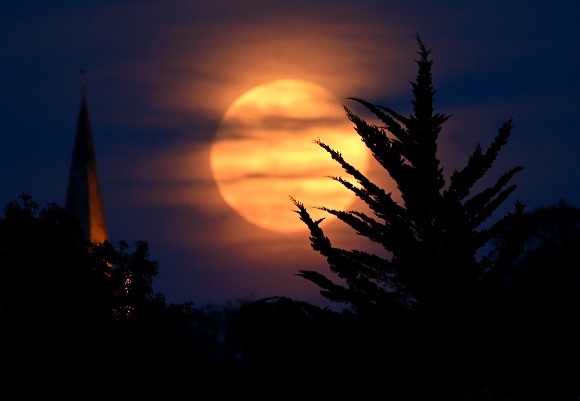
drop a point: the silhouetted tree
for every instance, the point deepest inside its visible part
(542, 301)
(434, 237)
(85, 311)
(50, 270)
(430, 299)
(547, 274)
(48, 273)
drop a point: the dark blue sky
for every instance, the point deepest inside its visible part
(161, 75)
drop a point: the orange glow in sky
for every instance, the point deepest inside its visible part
(264, 152)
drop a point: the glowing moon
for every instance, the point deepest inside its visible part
(263, 152)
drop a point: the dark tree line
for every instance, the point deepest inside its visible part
(81, 315)
(61, 297)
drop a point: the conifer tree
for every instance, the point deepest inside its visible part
(434, 236)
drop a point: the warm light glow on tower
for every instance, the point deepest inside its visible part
(83, 197)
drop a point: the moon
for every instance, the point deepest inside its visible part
(263, 153)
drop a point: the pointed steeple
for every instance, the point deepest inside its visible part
(83, 195)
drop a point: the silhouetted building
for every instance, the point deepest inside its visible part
(83, 195)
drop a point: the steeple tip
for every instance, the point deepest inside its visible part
(83, 195)
(84, 83)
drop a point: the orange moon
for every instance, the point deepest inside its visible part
(264, 152)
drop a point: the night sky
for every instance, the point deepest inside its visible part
(160, 75)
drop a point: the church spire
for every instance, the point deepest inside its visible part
(83, 195)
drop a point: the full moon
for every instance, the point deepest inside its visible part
(264, 152)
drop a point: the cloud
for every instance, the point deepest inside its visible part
(194, 57)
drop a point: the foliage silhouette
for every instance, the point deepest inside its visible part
(434, 298)
(282, 341)
(50, 270)
(541, 305)
(85, 311)
(435, 236)
(547, 274)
